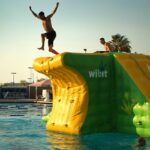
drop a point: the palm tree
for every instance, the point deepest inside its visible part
(121, 43)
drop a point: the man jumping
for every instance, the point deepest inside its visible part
(47, 25)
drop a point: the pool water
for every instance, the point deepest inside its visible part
(21, 128)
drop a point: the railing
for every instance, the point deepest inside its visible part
(16, 95)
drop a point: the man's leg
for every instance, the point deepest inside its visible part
(52, 50)
(43, 42)
(50, 42)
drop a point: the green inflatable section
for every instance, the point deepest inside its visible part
(98, 72)
(116, 104)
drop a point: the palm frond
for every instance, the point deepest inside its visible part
(121, 43)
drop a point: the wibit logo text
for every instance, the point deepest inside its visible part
(100, 72)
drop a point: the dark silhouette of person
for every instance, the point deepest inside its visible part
(47, 25)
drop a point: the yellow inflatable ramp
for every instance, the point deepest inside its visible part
(69, 95)
(138, 68)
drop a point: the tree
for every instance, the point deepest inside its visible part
(41, 79)
(23, 82)
(121, 43)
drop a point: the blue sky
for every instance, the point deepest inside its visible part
(78, 23)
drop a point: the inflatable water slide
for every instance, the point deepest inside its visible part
(108, 92)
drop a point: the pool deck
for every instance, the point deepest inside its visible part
(24, 101)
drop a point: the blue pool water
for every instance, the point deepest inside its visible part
(21, 128)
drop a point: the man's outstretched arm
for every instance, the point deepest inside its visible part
(33, 12)
(54, 11)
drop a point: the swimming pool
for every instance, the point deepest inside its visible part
(21, 128)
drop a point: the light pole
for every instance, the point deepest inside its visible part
(13, 74)
(29, 88)
(29, 80)
(85, 50)
(31, 74)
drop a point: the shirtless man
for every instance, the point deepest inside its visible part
(106, 45)
(47, 25)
